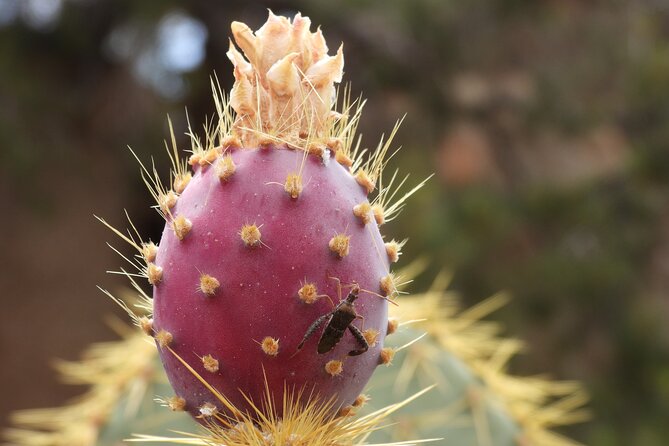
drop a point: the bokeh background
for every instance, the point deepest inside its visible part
(546, 122)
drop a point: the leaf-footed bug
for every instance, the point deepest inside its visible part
(338, 320)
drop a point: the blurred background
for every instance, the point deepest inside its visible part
(546, 122)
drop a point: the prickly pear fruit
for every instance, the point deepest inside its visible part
(246, 297)
(269, 234)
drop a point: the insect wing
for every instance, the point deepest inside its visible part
(331, 337)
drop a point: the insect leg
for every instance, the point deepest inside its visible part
(361, 340)
(329, 298)
(341, 286)
(362, 326)
(338, 287)
(313, 327)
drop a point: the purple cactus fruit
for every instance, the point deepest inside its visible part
(255, 270)
(271, 270)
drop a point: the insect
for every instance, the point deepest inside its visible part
(338, 320)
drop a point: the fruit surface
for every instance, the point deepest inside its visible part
(258, 292)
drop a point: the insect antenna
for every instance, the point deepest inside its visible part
(354, 284)
(386, 298)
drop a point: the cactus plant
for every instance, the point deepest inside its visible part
(271, 270)
(113, 372)
(475, 403)
(271, 281)
(268, 243)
